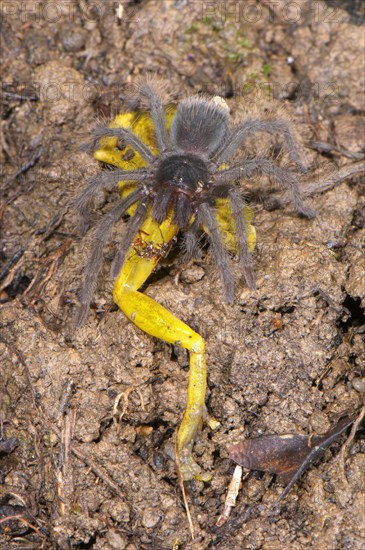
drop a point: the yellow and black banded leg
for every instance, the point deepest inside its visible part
(157, 321)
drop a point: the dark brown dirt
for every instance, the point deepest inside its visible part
(286, 358)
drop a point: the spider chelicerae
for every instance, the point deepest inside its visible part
(186, 176)
(181, 183)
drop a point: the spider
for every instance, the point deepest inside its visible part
(173, 171)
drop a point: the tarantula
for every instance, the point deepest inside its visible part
(185, 177)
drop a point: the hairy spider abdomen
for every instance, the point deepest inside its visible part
(182, 171)
(199, 126)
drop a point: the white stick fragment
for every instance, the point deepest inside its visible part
(232, 493)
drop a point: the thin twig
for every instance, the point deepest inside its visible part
(22, 519)
(98, 471)
(23, 169)
(20, 357)
(65, 487)
(125, 395)
(349, 440)
(325, 184)
(232, 493)
(10, 263)
(186, 504)
(28, 95)
(46, 272)
(323, 147)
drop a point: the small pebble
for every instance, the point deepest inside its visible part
(319, 423)
(359, 384)
(150, 518)
(116, 540)
(192, 274)
(73, 41)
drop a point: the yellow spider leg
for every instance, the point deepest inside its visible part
(157, 321)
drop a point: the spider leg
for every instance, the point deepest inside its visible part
(100, 181)
(157, 113)
(281, 175)
(102, 234)
(162, 203)
(206, 217)
(237, 206)
(133, 225)
(248, 127)
(126, 136)
(191, 243)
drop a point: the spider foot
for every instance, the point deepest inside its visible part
(307, 211)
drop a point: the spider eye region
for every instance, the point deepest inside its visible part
(184, 172)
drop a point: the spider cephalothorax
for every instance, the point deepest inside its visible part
(180, 179)
(184, 178)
